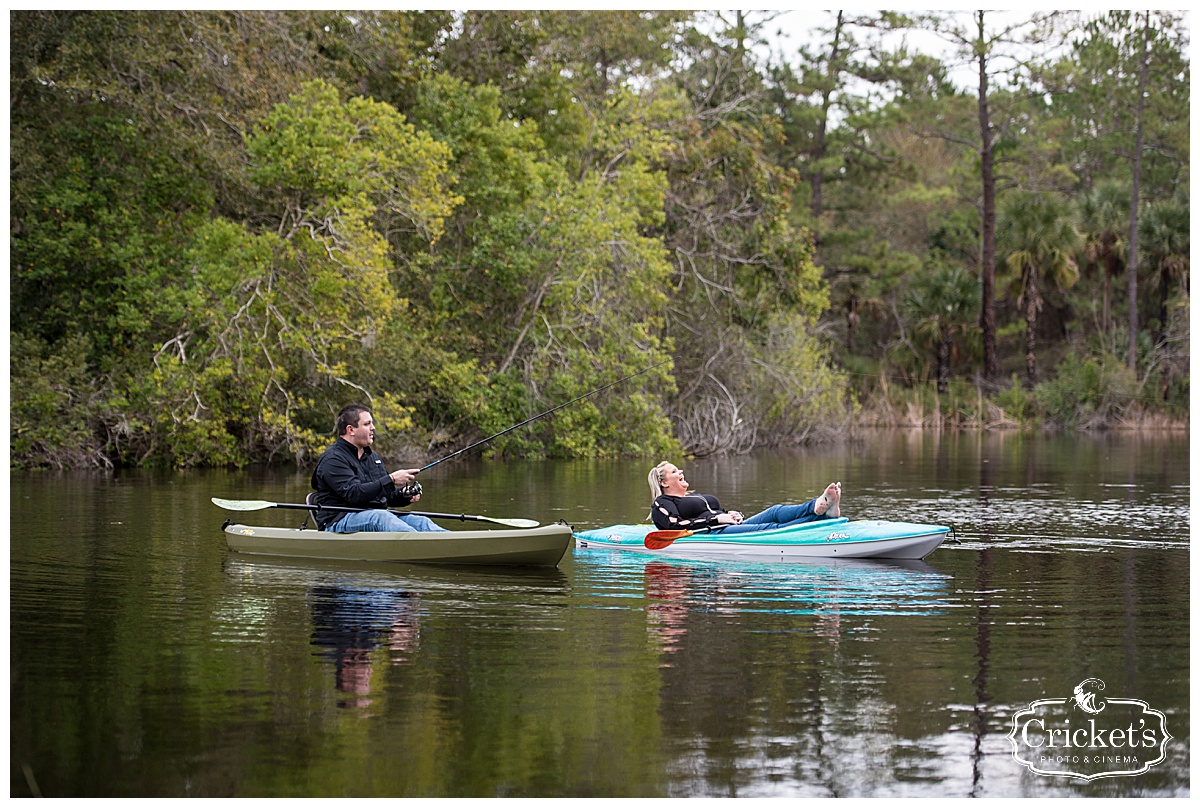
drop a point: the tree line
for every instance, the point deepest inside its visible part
(227, 224)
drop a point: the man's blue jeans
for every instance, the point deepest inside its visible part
(382, 521)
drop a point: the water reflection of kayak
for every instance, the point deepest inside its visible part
(264, 570)
(677, 587)
(826, 538)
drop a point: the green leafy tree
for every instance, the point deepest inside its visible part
(190, 82)
(839, 134)
(376, 53)
(550, 281)
(1166, 235)
(96, 242)
(608, 49)
(1103, 214)
(1093, 88)
(740, 265)
(983, 44)
(285, 306)
(225, 223)
(61, 414)
(1127, 84)
(1166, 239)
(943, 306)
(831, 105)
(586, 289)
(1039, 240)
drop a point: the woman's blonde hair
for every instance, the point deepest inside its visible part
(655, 479)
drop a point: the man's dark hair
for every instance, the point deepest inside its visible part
(349, 416)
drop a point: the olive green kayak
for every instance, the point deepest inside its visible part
(527, 547)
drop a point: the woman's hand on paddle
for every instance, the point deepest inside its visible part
(729, 518)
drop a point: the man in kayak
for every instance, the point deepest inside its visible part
(674, 508)
(350, 475)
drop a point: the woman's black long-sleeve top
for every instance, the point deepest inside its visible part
(690, 512)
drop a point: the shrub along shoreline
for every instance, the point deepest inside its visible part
(1049, 406)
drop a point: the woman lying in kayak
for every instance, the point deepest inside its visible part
(675, 509)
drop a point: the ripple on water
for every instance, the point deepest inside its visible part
(1054, 523)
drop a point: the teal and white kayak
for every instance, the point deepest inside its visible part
(825, 538)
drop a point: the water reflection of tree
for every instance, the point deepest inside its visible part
(804, 674)
(699, 620)
(983, 656)
(350, 623)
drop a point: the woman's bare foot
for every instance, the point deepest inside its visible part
(830, 502)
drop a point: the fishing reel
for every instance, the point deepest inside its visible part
(411, 490)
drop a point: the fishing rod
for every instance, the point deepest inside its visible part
(539, 415)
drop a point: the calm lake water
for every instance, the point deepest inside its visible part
(147, 660)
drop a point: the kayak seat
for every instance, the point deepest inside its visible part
(311, 499)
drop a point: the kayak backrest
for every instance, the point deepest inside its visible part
(311, 499)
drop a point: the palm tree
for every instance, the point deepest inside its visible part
(944, 305)
(1038, 236)
(1104, 225)
(1165, 231)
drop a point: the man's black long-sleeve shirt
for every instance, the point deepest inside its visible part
(344, 479)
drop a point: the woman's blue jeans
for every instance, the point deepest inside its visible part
(778, 516)
(379, 520)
